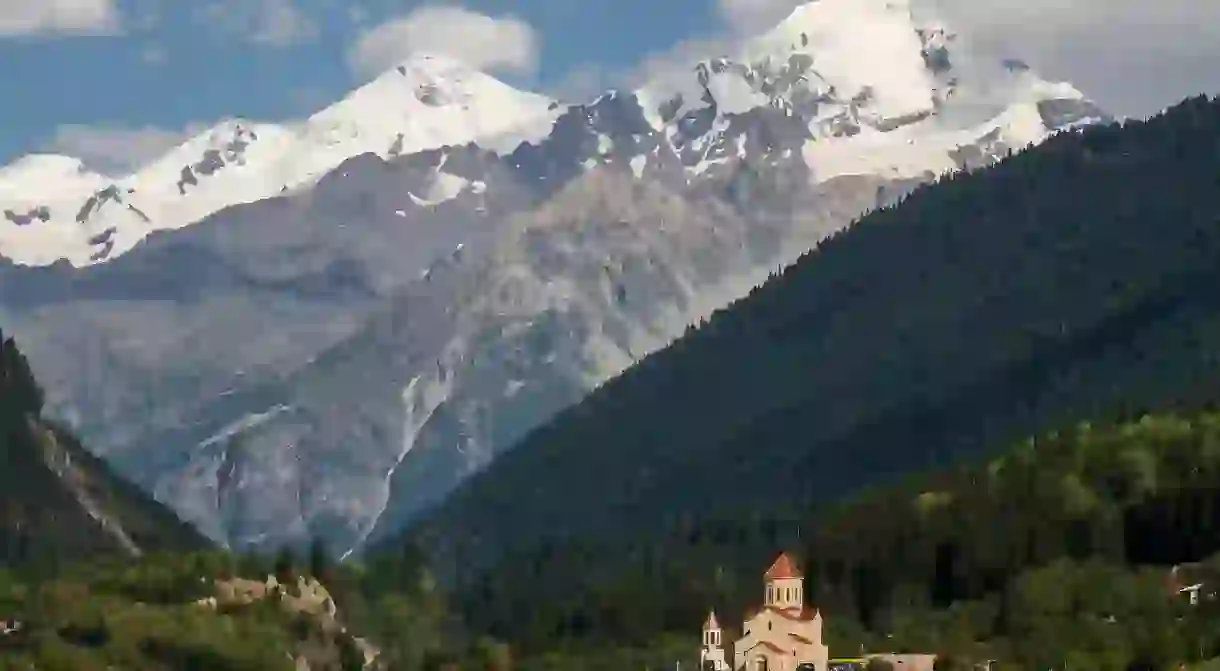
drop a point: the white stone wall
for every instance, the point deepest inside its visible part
(769, 626)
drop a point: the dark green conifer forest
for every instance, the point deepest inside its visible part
(1070, 283)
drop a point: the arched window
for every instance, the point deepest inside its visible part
(760, 664)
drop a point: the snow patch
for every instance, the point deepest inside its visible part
(420, 398)
(733, 94)
(859, 47)
(638, 163)
(246, 423)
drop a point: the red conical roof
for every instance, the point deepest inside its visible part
(783, 568)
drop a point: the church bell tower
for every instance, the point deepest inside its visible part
(785, 585)
(711, 654)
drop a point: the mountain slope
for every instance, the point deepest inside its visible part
(333, 360)
(58, 502)
(54, 208)
(1072, 280)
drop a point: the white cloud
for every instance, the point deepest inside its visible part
(1133, 56)
(583, 83)
(58, 17)
(271, 23)
(680, 59)
(739, 20)
(750, 16)
(309, 99)
(504, 44)
(116, 149)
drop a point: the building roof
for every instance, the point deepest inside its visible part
(770, 646)
(783, 568)
(711, 622)
(800, 638)
(804, 613)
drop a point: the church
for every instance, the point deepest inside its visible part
(782, 635)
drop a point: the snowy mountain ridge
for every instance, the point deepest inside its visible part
(865, 78)
(54, 208)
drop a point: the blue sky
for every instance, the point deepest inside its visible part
(117, 81)
(163, 65)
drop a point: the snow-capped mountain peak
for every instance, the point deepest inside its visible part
(427, 101)
(858, 87)
(859, 48)
(48, 166)
(56, 209)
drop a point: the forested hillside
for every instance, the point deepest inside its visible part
(1055, 554)
(57, 501)
(1073, 280)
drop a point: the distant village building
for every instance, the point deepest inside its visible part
(12, 634)
(1194, 582)
(783, 635)
(711, 656)
(1192, 592)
